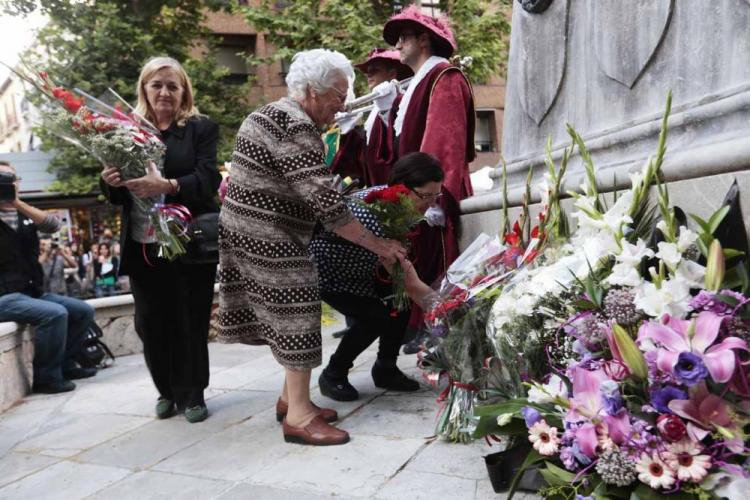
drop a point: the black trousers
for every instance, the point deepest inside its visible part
(370, 319)
(172, 315)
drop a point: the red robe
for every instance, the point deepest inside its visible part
(440, 121)
(350, 157)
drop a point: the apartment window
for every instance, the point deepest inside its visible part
(485, 131)
(431, 8)
(286, 63)
(232, 53)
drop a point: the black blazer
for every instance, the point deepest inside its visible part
(20, 270)
(191, 160)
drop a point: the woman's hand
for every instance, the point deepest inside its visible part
(111, 175)
(388, 250)
(151, 184)
(415, 287)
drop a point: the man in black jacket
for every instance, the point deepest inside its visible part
(61, 322)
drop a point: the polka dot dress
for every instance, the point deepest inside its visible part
(278, 189)
(344, 267)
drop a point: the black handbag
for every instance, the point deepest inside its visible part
(203, 246)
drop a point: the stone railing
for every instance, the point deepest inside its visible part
(113, 314)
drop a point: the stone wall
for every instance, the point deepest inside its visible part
(605, 66)
(113, 314)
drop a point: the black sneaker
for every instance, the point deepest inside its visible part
(54, 387)
(391, 378)
(337, 388)
(79, 372)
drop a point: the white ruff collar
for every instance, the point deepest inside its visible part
(418, 77)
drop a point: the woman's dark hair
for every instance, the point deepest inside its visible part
(415, 170)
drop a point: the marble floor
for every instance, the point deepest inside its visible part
(102, 440)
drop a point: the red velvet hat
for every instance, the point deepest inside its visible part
(390, 57)
(412, 17)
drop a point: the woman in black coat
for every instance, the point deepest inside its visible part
(172, 299)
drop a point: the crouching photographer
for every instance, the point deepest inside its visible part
(61, 322)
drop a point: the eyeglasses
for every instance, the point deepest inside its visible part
(341, 95)
(427, 196)
(403, 37)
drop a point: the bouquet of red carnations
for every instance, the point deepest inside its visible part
(396, 215)
(115, 138)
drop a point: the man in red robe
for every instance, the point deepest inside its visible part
(436, 116)
(367, 153)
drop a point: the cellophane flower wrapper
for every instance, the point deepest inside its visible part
(118, 139)
(455, 316)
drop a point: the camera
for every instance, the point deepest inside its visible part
(7, 187)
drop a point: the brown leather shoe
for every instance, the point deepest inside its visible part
(328, 414)
(318, 432)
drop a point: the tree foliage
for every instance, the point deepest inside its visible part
(354, 27)
(103, 43)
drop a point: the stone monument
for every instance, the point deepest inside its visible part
(605, 67)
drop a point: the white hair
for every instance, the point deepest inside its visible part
(316, 69)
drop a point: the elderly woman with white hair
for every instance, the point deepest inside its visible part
(279, 189)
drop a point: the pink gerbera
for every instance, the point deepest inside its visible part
(685, 458)
(655, 473)
(544, 438)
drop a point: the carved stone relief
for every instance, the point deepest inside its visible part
(627, 34)
(538, 6)
(542, 39)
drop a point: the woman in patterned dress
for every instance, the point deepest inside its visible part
(279, 189)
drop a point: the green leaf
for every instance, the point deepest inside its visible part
(717, 217)
(486, 426)
(731, 252)
(564, 475)
(551, 478)
(494, 410)
(705, 226)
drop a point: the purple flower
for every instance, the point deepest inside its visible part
(530, 415)
(707, 301)
(580, 456)
(611, 398)
(690, 369)
(660, 398)
(568, 459)
(581, 497)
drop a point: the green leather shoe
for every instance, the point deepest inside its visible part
(196, 414)
(164, 408)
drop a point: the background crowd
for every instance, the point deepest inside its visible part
(83, 270)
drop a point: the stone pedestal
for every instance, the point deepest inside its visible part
(605, 67)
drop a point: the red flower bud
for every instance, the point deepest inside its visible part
(671, 427)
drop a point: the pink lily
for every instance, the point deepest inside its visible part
(697, 336)
(587, 404)
(704, 412)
